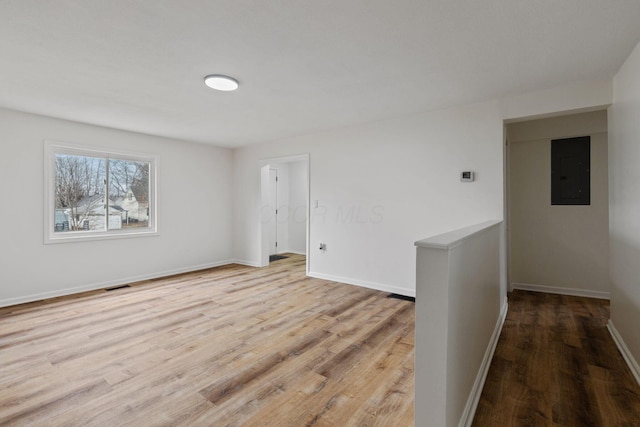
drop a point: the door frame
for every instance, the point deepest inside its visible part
(263, 238)
(273, 246)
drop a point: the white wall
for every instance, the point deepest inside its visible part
(380, 187)
(561, 249)
(624, 196)
(194, 212)
(458, 321)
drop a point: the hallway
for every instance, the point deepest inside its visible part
(557, 365)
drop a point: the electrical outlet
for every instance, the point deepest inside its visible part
(467, 176)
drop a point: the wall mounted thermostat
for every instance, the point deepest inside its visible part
(467, 176)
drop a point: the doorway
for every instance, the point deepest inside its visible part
(284, 207)
(557, 247)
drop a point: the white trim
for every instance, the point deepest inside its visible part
(562, 291)
(624, 350)
(85, 236)
(478, 385)
(51, 148)
(108, 284)
(365, 284)
(245, 262)
(284, 159)
(295, 252)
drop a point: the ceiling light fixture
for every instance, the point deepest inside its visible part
(220, 82)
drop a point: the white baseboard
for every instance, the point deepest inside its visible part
(562, 291)
(365, 284)
(476, 391)
(257, 264)
(107, 284)
(297, 252)
(245, 262)
(624, 350)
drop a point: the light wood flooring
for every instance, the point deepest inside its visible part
(230, 346)
(556, 365)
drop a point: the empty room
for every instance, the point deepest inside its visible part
(339, 213)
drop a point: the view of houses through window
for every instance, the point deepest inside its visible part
(100, 193)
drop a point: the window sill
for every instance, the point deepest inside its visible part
(83, 236)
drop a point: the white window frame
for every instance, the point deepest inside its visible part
(51, 148)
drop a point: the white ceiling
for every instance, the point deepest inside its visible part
(304, 65)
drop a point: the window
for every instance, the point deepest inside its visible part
(570, 171)
(98, 194)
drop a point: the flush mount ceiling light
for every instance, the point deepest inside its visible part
(220, 82)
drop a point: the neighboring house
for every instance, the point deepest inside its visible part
(90, 214)
(134, 204)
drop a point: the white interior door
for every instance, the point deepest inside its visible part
(273, 205)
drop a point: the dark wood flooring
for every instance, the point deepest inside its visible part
(557, 365)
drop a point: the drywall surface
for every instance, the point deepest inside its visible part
(561, 247)
(576, 97)
(194, 212)
(624, 202)
(458, 309)
(380, 187)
